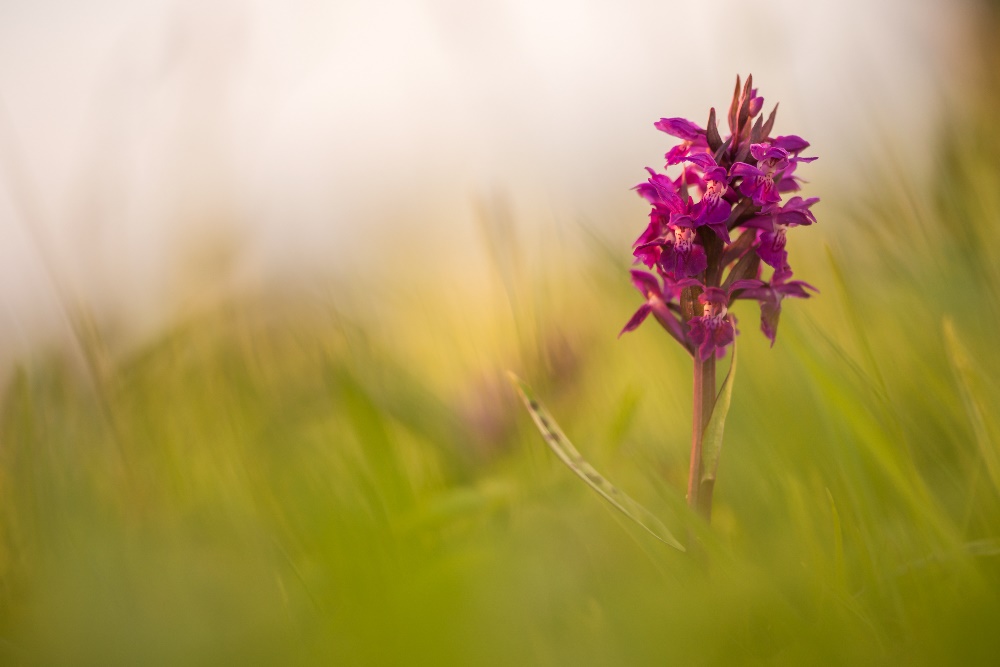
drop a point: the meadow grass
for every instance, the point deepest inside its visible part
(288, 482)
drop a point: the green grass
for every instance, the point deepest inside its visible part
(288, 483)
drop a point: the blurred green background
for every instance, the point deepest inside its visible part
(344, 476)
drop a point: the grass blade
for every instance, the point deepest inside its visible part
(964, 371)
(568, 454)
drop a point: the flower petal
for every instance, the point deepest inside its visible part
(680, 128)
(646, 283)
(791, 143)
(637, 318)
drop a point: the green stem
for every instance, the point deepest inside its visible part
(703, 401)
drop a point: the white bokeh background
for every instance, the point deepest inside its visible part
(317, 133)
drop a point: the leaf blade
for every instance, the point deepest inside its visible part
(711, 443)
(975, 407)
(568, 454)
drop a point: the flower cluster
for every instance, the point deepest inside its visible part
(715, 227)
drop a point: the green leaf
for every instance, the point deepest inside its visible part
(568, 454)
(711, 443)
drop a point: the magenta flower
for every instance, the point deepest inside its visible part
(658, 189)
(681, 256)
(787, 180)
(794, 145)
(657, 301)
(664, 193)
(772, 225)
(661, 192)
(712, 210)
(737, 183)
(692, 135)
(674, 250)
(794, 213)
(648, 247)
(669, 240)
(758, 182)
(713, 331)
(770, 297)
(770, 246)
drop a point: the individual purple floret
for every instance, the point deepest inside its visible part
(758, 182)
(770, 297)
(772, 224)
(657, 301)
(713, 210)
(681, 255)
(669, 241)
(659, 190)
(693, 136)
(713, 330)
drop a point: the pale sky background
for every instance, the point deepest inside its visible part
(316, 132)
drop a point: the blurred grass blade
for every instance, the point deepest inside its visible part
(838, 542)
(568, 454)
(711, 446)
(965, 376)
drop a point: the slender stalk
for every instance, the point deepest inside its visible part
(703, 401)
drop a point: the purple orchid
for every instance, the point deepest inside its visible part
(658, 189)
(770, 297)
(758, 182)
(648, 247)
(794, 144)
(681, 256)
(693, 138)
(674, 248)
(772, 225)
(713, 210)
(670, 238)
(713, 331)
(739, 182)
(656, 304)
